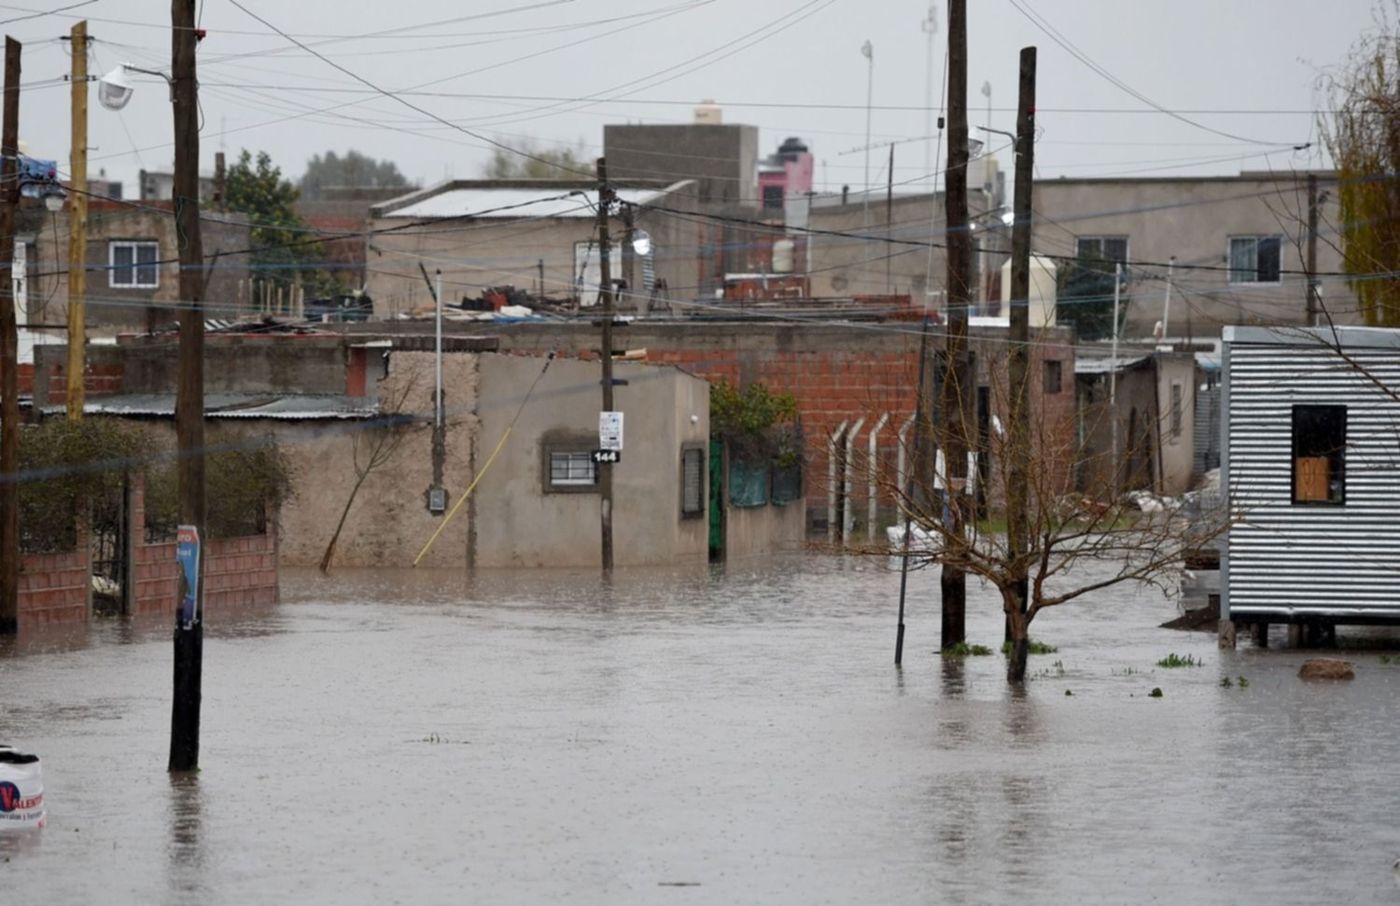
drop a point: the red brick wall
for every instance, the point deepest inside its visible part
(237, 571)
(55, 588)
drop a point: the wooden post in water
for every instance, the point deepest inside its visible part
(189, 398)
(9, 351)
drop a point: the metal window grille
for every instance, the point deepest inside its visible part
(1176, 409)
(692, 482)
(572, 469)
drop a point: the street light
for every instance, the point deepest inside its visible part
(114, 89)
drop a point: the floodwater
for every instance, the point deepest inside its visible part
(729, 736)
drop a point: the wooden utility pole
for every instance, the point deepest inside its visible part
(77, 226)
(957, 382)
(1018, 447)
(1314, 307)
(9, 349)
(889, 224)
(605, 476)
(189, 397)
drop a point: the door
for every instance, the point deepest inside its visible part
(716, 500)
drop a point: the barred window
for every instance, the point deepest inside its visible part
(572, 469)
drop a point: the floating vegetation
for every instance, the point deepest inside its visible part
(963, 649)
(1176, 660)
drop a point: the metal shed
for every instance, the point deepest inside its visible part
(1310, 458)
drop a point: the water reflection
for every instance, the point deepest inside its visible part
(185, 817)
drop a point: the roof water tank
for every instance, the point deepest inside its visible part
(1043, 290)
(708, 114)
(783, 251)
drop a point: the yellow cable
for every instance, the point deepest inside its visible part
(470, 488)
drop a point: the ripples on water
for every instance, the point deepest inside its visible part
(723, 735)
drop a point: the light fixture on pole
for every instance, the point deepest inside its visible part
(641, 243)
(114, 89)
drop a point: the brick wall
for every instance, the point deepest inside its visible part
(237, 571)
(837, 372)
(56, 588)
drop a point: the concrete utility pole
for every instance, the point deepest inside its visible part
(605, 477)
(189, 397)
(1314, 303)
(957, 382)
(77, 227)
(9, 349)
(1018, 359)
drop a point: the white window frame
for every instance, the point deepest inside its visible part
(135, 267)
(1230, 259)
(573, 458)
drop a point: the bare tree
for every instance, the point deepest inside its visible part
(1064, 527)
(372, 449)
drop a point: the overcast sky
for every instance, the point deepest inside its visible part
(515, 70)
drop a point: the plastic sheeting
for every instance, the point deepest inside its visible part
(748, 482)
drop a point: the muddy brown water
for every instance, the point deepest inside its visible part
(736, 735)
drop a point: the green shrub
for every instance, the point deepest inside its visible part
(68, 468)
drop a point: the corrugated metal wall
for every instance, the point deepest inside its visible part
(1287, 560)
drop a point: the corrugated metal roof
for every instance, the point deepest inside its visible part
(231, 405)
(1105, 365)
(512, 202)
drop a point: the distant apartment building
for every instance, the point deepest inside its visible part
(1239, 246)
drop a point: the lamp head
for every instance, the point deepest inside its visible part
(53, 199)
(114, 89)
(641, 243)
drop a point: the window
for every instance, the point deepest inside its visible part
(1053, 376)
(692, 482)
(133, 264)
(773, 197)
(1254, 259)
(1319, 454)
(572, 469)
(1110, 249)
(1176, 409)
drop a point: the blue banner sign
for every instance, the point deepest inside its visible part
(187, 555)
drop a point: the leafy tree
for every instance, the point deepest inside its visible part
(354, 169)
(542, 163)
(1363, 137)
(282, 253)
(1085, 297)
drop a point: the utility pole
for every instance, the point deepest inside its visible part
(1314, 303)
(605, 477)
(889, 222)
(1018, 359)
(957, 380)
(77, 226)
(189, 397)
(9, 349)
(1114, 464)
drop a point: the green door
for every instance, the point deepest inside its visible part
(716, 500)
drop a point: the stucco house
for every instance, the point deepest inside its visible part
(521, 428)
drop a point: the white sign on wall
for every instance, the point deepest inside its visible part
(610, 430)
